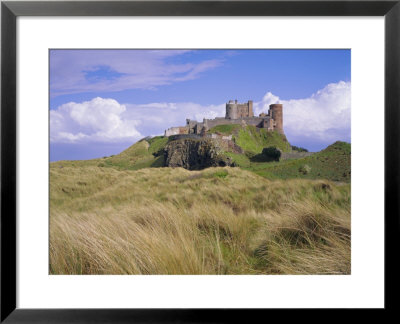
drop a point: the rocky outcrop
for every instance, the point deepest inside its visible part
(195, 154)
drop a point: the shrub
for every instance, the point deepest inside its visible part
(271, 153)
(305, 169)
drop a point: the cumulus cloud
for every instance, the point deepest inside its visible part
(97, 120)
(106, 120)
(324, 116)
(156, 117)
(318, 120)
(77, 71)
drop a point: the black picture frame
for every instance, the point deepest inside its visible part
(10, 10)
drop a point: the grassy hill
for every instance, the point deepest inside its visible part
(253, 139)
(142, 154)
(105, 220)
(126, 214)
(333, 163)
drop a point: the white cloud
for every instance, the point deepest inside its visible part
(324, 116)
(97, 120)
(156, 117)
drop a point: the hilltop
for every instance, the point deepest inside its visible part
(332, 163)
(234, 145)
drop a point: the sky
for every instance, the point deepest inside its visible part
(103, 101)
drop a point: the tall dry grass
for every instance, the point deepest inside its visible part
(215, 221)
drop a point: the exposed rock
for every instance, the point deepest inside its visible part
(195, 154)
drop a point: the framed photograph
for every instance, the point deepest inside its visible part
(196, 161)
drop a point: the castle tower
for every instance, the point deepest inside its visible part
(235, 110)
(250, 105)
(276, 112)
(231, 110)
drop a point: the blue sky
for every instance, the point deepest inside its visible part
(102, 101)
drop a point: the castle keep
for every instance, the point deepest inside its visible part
(236, 113)
(235, 110)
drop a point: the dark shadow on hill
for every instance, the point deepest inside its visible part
(268, 154)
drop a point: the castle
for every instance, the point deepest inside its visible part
(236, 113)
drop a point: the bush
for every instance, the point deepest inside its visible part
(305, 169)
(271, 153)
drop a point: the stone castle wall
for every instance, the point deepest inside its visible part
(210, 123)
(254, 121)
(236, 113)
(176, 131)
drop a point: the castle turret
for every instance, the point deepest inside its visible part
(276, 113)
(250, 105)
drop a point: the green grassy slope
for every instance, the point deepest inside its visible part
(333, 163)
(143, 154)
(254, 139)
(224, 129)
(157, 143)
